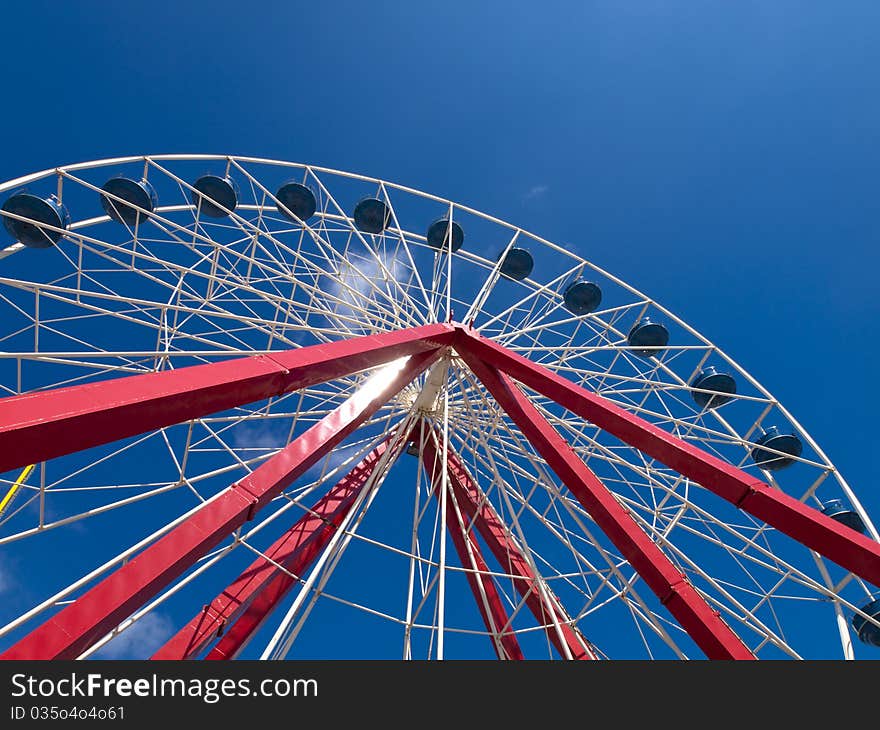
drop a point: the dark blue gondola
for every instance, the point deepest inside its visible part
(371, 215)
(217, 193)
(710, 379)
(298, 199)
(412, 449)
(39, 212)
(787, 443)
(581, 297)
(438, 235)
(134, 193)
(866, 631)
(517, 264)
(842, 513)
(647, 337)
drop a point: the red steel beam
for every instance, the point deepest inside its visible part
(261, 607)
(78, 625)
(848, 548)
(43, 425)
(254, 616)
(482, 586)
(294, 551)
(275, 590)
(479, 511)
(696, 617)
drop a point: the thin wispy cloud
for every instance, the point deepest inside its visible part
(327, 464)
(536, 191)
(140, 640)
(267, 435)
(361, 285)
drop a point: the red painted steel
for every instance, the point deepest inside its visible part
(479, 511)
(846, 547)
(295, 551)
(38, 426)
(252, 618)
(482, 586)
(704, 625)
(261, 607)
(77, 626)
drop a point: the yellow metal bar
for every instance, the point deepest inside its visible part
(13, 490)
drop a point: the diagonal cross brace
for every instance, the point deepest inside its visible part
(485, 592)
(294, 552)
(702, 623)
(77, 626)
(46, 424)
(847, 547)
(478, 510)
(275, 590)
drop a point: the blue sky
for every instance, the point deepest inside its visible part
(719, 156)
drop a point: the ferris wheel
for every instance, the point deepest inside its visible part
(255, 408)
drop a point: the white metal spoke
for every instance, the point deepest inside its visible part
(181, 288)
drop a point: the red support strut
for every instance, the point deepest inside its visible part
(262, 605)
(847, 547)
(295, 551)
(479, 511)
(38, 426)
(77, 626)
(483, 587)
(703, 624)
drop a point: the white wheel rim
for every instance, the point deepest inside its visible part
(182, 289)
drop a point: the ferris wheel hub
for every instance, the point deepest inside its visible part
(261, 308)
(426, 401)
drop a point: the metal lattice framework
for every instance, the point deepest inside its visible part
(263, 423)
